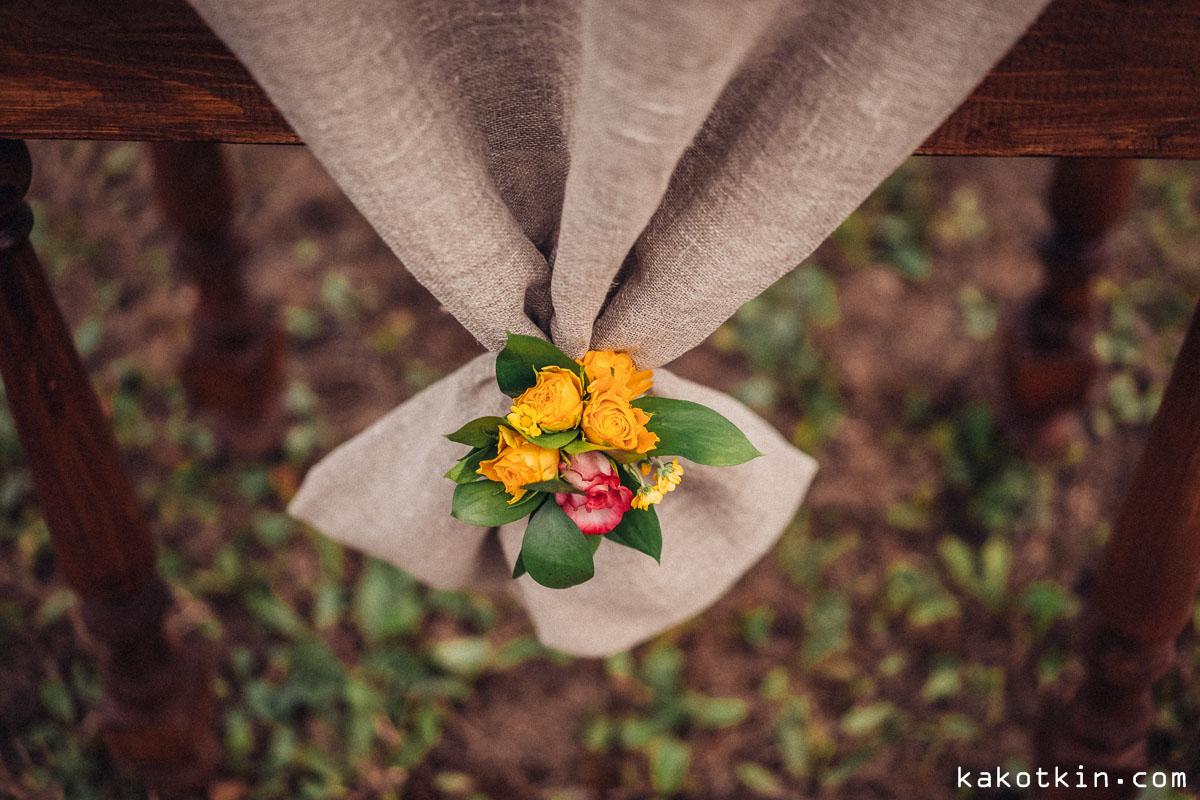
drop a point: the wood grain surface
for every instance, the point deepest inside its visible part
(1092, 77)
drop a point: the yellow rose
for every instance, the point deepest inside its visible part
(518, 463)
(609, 420)
(554, 403)
(599, 364)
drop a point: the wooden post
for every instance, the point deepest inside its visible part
(1142, 599)
(1048, 358)
(157, 704)
(235, 370)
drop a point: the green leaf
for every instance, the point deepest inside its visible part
(865, 720)
(485, 503)
(553, 441)
(555, 552)
(669, 760)
(464, 655)
(826, 623)
(553, 486)
(518, 363)
(57, 698)
(640, 530)
(594, 542)
(759, 779)
(583, 446)
(695, 432)
(995, 561)
(519, 567)
(466, 470)
(382, 606)
(714, 712)
(478, 432)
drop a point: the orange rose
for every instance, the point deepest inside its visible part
(518, 463)
(598, 364)
(609, 419)
(553, 404)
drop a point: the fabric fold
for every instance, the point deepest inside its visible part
(644, 94)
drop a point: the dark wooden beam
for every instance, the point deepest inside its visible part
(1090, 78)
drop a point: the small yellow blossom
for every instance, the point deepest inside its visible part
(668, 476)
(645, 467)
(518, 463)
(599, 364)
(554, 403)
(646, 496)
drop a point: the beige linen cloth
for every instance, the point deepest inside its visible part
(618, 174)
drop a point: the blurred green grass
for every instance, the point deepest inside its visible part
(340, 674)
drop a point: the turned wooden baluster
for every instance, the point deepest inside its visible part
(1048, 356)
(234, 372)
(157, 704)
(1143, 597)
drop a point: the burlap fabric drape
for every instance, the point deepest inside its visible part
(619, 175)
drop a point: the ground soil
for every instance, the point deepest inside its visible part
(518, 732)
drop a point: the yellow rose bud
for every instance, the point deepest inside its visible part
(518, 463)
(609, 420)
(599, 364)
(554, 403)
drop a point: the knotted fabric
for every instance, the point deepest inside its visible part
(615, 174)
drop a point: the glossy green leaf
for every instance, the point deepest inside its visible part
(640, 530)
(466, 470)
(478, 432)
(485, 503)
(519, 567)
(518, 363)
(555, 552)
(553, 441)
(583, 446)
(553, 486)
(695, 432)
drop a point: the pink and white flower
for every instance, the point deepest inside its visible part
(604, 500)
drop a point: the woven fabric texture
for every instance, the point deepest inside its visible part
(613, 174)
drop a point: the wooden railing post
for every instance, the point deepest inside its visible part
(234, 371)
(1048, 357)
(1143, 596)
(157, 703)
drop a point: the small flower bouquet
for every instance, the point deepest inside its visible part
(584, 453)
